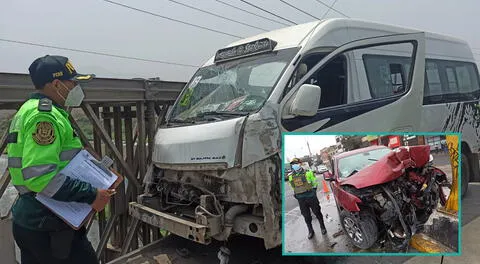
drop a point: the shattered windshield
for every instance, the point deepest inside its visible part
(350, 165)
(232, 88)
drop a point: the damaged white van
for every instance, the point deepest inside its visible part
(217, 157)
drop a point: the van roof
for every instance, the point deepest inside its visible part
(295, 36)
(285, 37)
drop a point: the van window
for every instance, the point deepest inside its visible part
(445, 81)
(397, 77)
(264, 75)
(302, 68)
(352, 82)
(386, 75)
(331, 78)
(464, 81)
(433, 79)
(450, 81)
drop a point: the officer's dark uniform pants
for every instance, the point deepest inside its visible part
(307, 204)
(35, 247)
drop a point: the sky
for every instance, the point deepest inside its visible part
(103, 27)
(296, 145)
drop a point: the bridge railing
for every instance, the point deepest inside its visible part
(123, 116)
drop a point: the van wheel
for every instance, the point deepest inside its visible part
(362, 231)
(465, 175)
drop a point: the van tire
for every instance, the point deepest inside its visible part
(465, 175)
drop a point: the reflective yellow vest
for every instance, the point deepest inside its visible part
(302, 182)
(41, 142)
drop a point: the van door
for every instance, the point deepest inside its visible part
(361, 91)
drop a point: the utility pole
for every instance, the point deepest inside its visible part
(308, 145)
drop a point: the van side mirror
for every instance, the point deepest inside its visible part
(328, 176)
(306, 100)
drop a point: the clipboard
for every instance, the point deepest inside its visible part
(102, 165)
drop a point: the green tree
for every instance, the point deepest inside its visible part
(351, 142)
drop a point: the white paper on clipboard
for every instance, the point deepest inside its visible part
(83, 167)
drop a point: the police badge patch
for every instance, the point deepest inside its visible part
(45, 134)
(298, 182)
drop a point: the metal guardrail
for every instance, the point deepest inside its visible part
(124, 114)
(16, 87)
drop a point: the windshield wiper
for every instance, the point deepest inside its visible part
(353, 172)
(221, 113)
(181, 121)
(203, 117)
(373, 159)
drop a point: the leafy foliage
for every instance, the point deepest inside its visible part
(352, 142)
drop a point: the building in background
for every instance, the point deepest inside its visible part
(413, 140)
(436, 143)
(327, 153)
(372, 140)
(391, 141)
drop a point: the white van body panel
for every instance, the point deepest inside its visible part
(241, 154)
(262, 136)
(215, 142)
(334, 33)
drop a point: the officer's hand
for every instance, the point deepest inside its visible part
(102, 199)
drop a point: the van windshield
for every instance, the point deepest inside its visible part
(232, 88)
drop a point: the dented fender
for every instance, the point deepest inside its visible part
(261, 136)
(347, 200)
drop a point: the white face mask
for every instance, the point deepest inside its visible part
(74, 97)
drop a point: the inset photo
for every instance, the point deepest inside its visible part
(364, 194)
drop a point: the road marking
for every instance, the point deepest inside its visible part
(294, 209)
(292, 214)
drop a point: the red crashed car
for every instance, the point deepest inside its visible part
(384, 194)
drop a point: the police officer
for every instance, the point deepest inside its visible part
(41, 142)
(304, 184)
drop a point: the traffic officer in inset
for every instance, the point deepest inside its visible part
(41, 142)
(304, 184)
